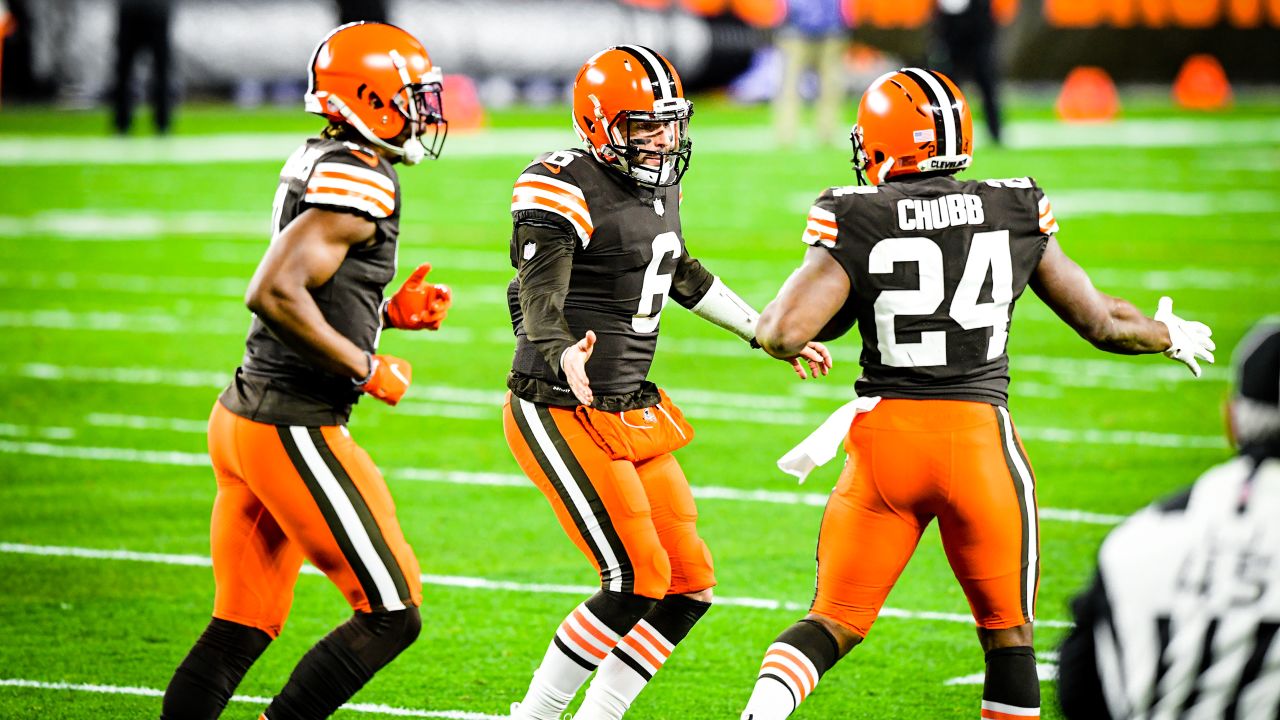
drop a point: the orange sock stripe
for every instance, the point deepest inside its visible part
(576, 638)
(771, 664)
(657, 644)
(595, 632)
(800, 663)
(997, 715)
(639, 650)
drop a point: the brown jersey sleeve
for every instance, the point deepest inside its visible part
(690, 282)
(543, 248)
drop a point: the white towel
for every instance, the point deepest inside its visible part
(823, 443)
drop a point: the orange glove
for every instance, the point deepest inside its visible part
(418, 304)
(388, 378)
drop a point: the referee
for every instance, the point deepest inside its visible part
(1181, 618)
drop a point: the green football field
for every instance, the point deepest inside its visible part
(122, 268)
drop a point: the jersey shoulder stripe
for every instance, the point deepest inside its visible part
(348, 186)
(821, 228)
(535, 191)
(1048, 224)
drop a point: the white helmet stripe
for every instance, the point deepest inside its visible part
(950, 116)
(660, 78)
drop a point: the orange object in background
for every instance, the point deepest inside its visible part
(1202, 84)
(462, 106)
(705, 8)
(7, 26)
(1088, 95)
(760, 13)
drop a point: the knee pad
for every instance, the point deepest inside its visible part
(619, 611)
(652, 574)
(692, 567)
(376, 638)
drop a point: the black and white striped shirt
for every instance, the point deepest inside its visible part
(1181, 619)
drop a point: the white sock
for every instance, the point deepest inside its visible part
(580, 644)
(786, 678)
(631, 665)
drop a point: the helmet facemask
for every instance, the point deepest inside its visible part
(653, 148)
(422, 107)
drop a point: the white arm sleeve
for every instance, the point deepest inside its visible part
(723, 307)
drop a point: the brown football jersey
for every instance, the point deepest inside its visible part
(935, 265)
(627, 255)
(273, 383)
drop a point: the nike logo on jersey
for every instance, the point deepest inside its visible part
(555, 169)
(939, 213)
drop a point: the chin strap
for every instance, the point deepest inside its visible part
(882, 173)
(413, 151)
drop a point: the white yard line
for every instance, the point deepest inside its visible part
(372, 708)
(463, 477)
(710, 405)
(1047, 672)
(45, 150)
(463, 582)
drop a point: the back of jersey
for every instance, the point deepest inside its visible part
(935, 266)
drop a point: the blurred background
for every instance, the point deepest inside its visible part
(141, 143)
(77, 54)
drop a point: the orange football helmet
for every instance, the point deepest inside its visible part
(629, 106)
(911, 121)
(379, 80)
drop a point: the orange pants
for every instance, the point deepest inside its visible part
(635, 522)
(911, 461)
(286, 493)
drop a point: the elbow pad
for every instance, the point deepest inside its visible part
(723, 307)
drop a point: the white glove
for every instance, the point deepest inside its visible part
(1189, 340)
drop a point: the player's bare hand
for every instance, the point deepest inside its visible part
(574, 363)
(816, 356)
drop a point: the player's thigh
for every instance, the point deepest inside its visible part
(255, 565)
(866, 540)
(600, 502)
(331, 502)
(675, 517)
(990, 530)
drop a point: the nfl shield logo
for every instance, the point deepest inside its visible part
(649, 416)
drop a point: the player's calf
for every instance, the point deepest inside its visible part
(1012, 686)
(583, 641)
(640, 655)
(791, 668)
(209, 674)
(342, 662)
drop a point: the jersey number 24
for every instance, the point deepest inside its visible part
(989, 251)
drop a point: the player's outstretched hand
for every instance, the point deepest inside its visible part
(418, 304)
(574, 363)
(816, 356)
(1188, 340)
(388, 379)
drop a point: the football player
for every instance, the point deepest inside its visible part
(292, 482)
(598, 249)
(929, 267)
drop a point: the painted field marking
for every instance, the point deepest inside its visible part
(372, 708)
(709, 405)
(213, 149)
(464, 477)
(465, 582)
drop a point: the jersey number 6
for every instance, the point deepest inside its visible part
(989, 250)
(653, 293)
